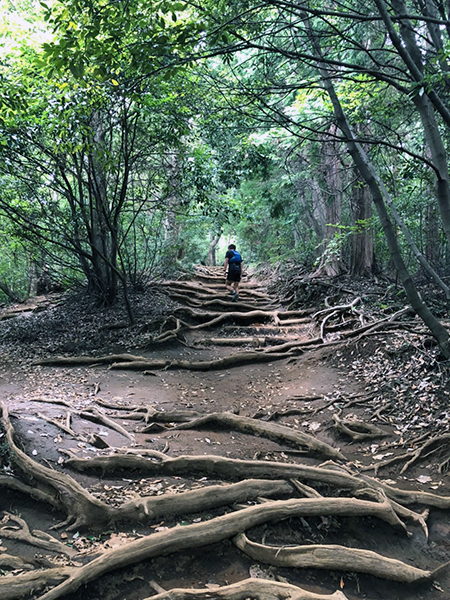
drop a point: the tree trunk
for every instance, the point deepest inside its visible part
(432, 235)
(331, 263)
(363, 257)
(102, 236)
(212, 250)
(173, 225)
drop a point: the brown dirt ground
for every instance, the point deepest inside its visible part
(269, 387)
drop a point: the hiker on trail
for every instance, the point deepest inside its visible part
(233, 262)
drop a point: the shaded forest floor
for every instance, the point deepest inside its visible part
(333, 377)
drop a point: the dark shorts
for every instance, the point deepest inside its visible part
(234, 275)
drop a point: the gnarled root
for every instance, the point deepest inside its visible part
(22, 586)
(358, 430)
(257, 589)
(272, 431)
(82, 508)
(216, 530)
(332, 557)
(233, 468)
(20, 531)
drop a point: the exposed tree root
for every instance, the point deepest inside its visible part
(87, 360)
(359, 399)
(20, 531)
(332, 557)
(256, 589)
(273, 431)
(140, 508)
(216, 530)
(211, 289)
(263, 328)
(389, 322)
(64, 427)
(51, 401)
(353, 494)
(333, 309)
(232, 468)
(139, 363)
(358, 430)
(329, 313)
(92, 414)
(15, 587)
(148, 415)
(143, 364)
(281, 413)
(277, 316)
(7, 561)
(60, 490)
(254, 341)
(431, 446)
(237, 359)
(13, 483)
(171, 334)
(200, 499)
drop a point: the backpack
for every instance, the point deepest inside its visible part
(237, 258)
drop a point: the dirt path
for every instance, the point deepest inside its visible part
(300, 391)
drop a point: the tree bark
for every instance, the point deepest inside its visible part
(212, 250)
(363, 256)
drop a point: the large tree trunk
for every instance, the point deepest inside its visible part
(173, 225)
(331, 263)
(103, 278)
(212, 250)
(363, 256)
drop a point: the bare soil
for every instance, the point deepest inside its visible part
(394, 369)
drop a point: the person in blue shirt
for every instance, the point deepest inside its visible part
(233, 271)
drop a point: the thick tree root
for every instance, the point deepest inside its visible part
(232, 468)
(273, 431)
(13, 483)
(61, 490)
(61, 361)
(7, 561)
(256, 589)
(332, 557)
(211, 289)
(234, 360)
(276, 316)
(198, 500)
(216, 530)
(136, 363)
(431, 446)
(98, 513)
(75, 498)
(15, 587)
(255, 341)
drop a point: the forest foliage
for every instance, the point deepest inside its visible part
(141, 137)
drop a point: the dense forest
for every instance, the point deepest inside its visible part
(138, 140)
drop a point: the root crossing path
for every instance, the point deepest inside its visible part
(228, 458)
